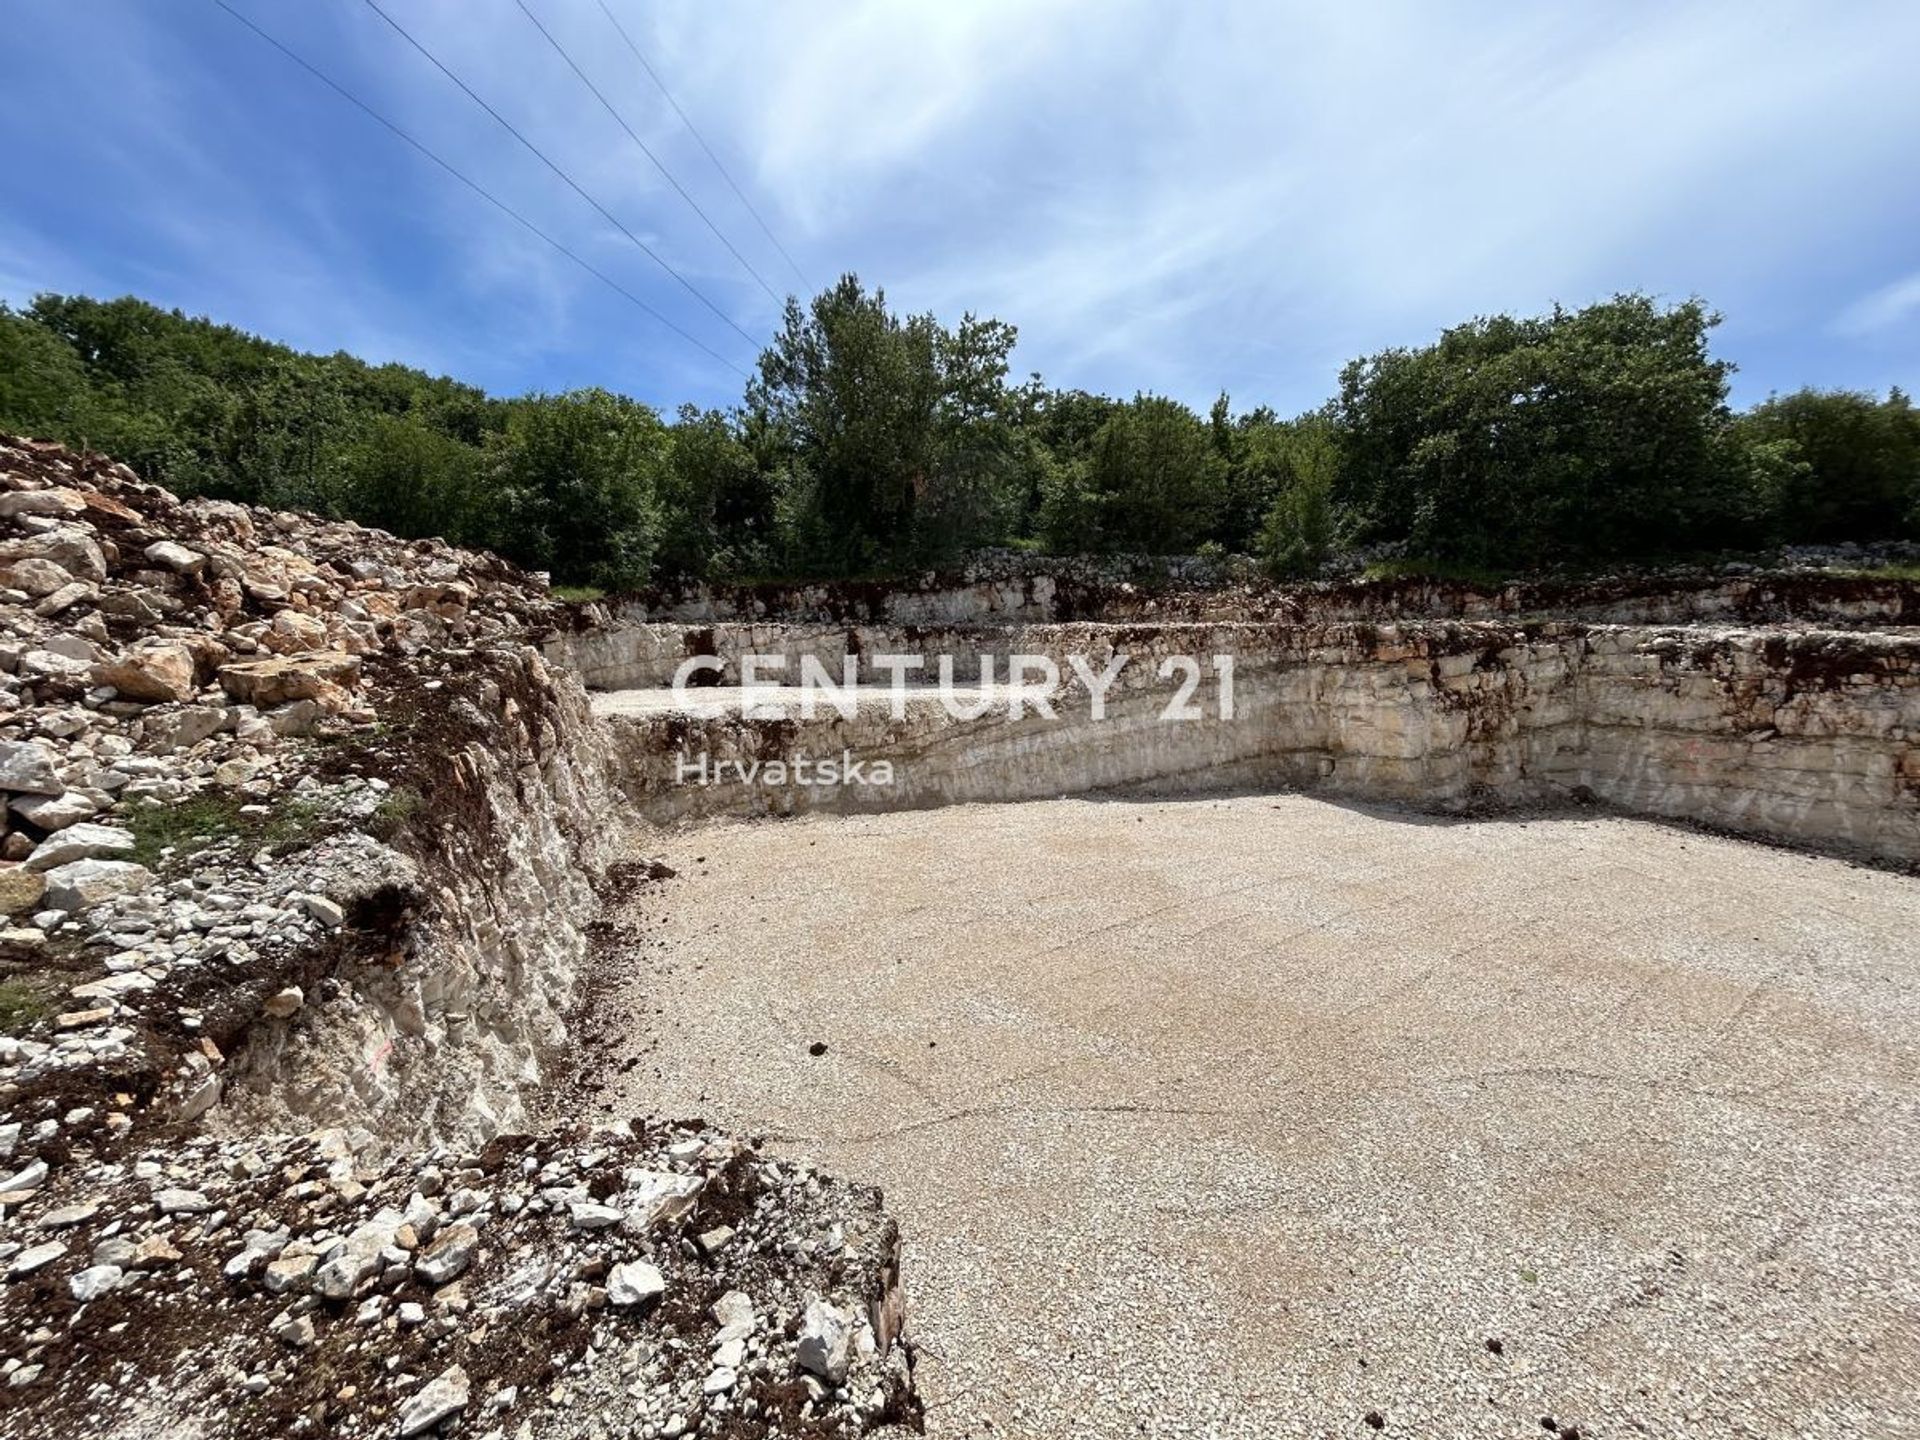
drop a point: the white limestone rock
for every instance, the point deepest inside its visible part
(28, 767)
(81, 841)
(826, 1341)
(81, 883)
(445, 1395)
(635, 1282)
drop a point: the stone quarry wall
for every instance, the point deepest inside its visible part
(452, 1036)
(1805, 736)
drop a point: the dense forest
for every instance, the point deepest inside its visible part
(870, 442)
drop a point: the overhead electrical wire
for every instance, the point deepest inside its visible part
(478, 188)
(573, 184)
(693, 130)
(658, 164)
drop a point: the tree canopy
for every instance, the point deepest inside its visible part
(871, 442)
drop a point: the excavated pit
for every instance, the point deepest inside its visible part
(1257, 1115)
(1375, 1058)
(1217, 1115)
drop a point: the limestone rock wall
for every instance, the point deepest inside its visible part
(451, 1040)
(1806, 736)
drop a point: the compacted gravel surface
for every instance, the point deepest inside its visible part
(1268, 1116)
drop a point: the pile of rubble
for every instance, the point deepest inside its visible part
(641, 1280)
(156, 659)
(243, 753)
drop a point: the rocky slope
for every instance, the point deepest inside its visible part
(301, 831)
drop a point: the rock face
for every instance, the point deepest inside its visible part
(1802, 735)
(1006, 589)
(172, 693)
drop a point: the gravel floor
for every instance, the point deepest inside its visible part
(1267, 1116)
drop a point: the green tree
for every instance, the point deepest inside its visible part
(400, 473)
(1156, 480)
(1588, 433)
(1858, 470)
(1300, 462)
(44, 389)
(716, 501)
(895, 431)
(582, 474)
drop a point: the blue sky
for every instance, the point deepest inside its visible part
(1177, 197)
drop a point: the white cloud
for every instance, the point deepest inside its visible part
(1236, 193)
(1165, 194)
(1883, 309)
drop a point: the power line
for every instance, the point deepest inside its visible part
(541, 155)
(476, 187)
(657, 163)
(661, 85)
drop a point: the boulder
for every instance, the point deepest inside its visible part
(293, 633)
(34, 1258)
(51, 665)
(96, 1280)
(635, 1282)
(72, 646)
(62, 504)
(35, 576)
(327, 911)
(20, 889)
(153, 670)
(80, 883)
(444, 1396)
(177, 558)
(265, 683)
(178, 729)
(357, 1258)
(589, 1215)
(65, 598)
(70, 547)
(449, 1255)
(55, 812)
(142, 607)
(826, 1342)
(27, 768)
(84, 841)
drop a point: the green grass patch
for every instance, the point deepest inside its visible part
(190, 826)
(293, 823)
(22, 1005)
(578, 594)
(395, 810)
(1477, 575)
(185, 827)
